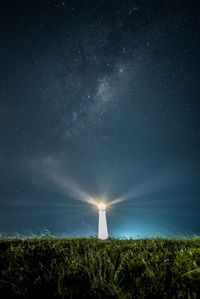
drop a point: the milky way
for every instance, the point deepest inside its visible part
(99, 99)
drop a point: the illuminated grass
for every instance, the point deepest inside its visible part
(91, 268)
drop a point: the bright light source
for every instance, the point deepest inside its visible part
(101, 206)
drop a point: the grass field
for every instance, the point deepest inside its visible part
(91, 268)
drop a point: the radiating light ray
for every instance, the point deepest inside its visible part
(72, 189)
(25, 203)
(128, 208)
(51, 171)
(145, 201)
(65, 211)
(159, 182)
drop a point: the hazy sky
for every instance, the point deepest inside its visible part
(100, 99)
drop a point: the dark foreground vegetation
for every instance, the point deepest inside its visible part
(90, 268)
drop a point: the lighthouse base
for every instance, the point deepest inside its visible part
(102, 229)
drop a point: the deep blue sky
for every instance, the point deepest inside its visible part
(100, 99)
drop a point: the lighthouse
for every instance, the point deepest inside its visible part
(102, 228)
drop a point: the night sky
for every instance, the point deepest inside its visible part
(100, 99)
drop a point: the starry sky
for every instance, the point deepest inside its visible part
(100, 99)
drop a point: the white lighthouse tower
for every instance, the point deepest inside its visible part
(102, 228)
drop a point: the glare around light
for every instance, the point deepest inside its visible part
(101, 207)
